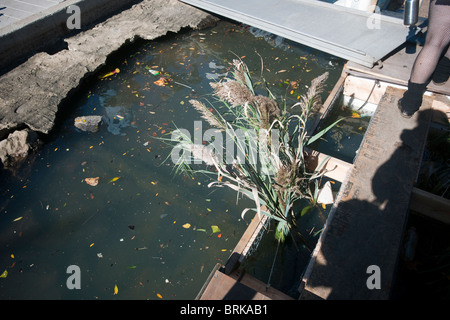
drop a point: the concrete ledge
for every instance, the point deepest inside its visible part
(45, 29)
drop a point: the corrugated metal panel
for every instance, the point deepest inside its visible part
(348, 33)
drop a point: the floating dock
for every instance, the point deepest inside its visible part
(366, 225)
(356, 35)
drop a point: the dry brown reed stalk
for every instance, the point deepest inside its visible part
(240, 68)
(233, 92)
(268, 110)
(310, 102)
(207, 114)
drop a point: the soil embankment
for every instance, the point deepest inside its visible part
(32, 93)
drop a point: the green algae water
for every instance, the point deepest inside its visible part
(142, 232)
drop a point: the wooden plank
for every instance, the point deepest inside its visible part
(430, 205)
(422, 202)
(395, 69)
(250, 281)
(441, 109)
(365, 226)
(224, 287)
(334, 168)
(245, 242)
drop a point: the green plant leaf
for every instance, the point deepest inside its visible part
(322, 132)
(306, 209)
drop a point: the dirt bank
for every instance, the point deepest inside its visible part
(31, 94)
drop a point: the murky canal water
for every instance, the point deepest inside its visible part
(142, 232)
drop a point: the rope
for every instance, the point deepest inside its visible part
(273, 264)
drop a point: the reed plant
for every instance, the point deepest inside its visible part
(284, 172)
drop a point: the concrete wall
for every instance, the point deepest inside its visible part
(45, 30)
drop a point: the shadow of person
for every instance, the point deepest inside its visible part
(365, 229)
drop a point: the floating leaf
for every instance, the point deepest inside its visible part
(159, 296)
(161, 82)
(114, 179)
(91, 244)
(117, 70)
(306, 210)
(356, 115)
(17, 219)
(116, 289)
(186, 225)
(215, 229)
(202, 230)
(4, 274)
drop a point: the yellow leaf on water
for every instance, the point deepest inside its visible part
(114, 179)
(17, 219)
(186, 225)
(4, 274)
(159, 296)
(91, 244)
(324, 206)
(356, 115)
(116, 289)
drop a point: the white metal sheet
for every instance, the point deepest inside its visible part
(351, 34)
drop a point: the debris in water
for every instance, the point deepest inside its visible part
(325, 194)
(161, 82)
(154, 72)
(114, 179)
(110, 73)
(215, 229)
(92, 181)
